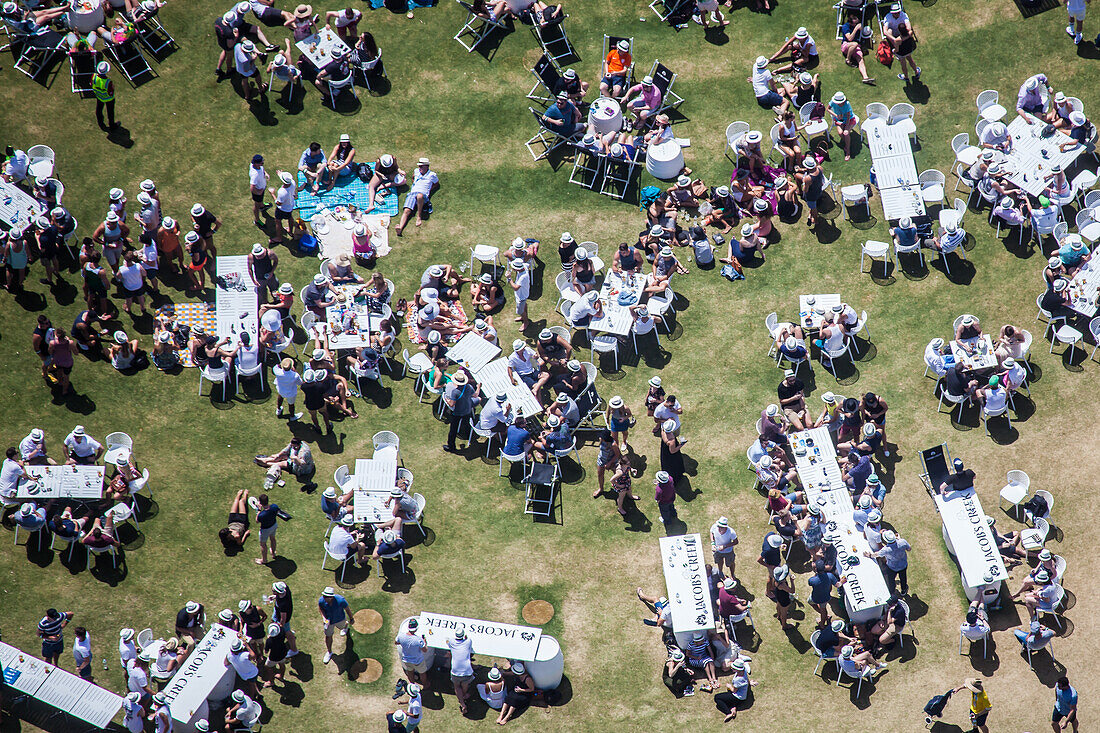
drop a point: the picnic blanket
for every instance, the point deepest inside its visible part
(195, 314)
(410, 4)
(348, 190)
(410, 323)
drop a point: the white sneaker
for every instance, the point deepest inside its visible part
(1069, 30)
(296, 417)
(343, 632)
(1077, 39)
(328, 657)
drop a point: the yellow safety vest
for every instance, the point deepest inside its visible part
(101, 88)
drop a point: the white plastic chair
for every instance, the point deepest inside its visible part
(1066, 334)
(557, 455)
(1092, 199)
(399, 555)
(901, 114)
(485, 254)
(418, 363)
(954, 214)
(1081, 183)
(385, 439)
(1032, 540)
(1049, 499)
(868, 673)
(966, 155)
(254, 371)
(214, 376)
(511, 458)
(489, 435)
(566, 294)
(96, 551)
(41, 160)
(604, 343)
(341, 476)
(144, 638)
(832, 356)
(1094, 329)
(421, 502)
(1014, 493)
(118, 440)
(636, 331)
(914, 248)
(813, 128)
(933, 186)
(341, 559)
(309, 318)
(822, 657)
(909, 624)
(988, 107)
(1053, 608)
(734, 132)
(1087, 226)
(945, 396)
(986, 414)
(771, 322)
(860, 327)
(876, 251)
(1060, 566)
(947, 249)
(659, 305)
(979, 128)
(60, 544)
(984, 639)
(853, 195)
(335, 86)
(1046, 316)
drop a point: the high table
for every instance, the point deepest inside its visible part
(812, 314)
(202, 677)
(540, 653)
(236, 305)
(617, 319)
(606, 115)
(816, 462)
(18, 209)
(683, 559)
(373, 479)
(318, 48)
(58, 688)
(1084, 289)
(86, 16)
(473, 352)
(983, 358)
(1031, 157)
(895, 171)
(865, 590)
(969, 539)
(493, 378)
(664, 160)
(63, 482)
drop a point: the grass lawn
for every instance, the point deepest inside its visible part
(483, 557)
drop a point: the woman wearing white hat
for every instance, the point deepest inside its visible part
(672, 460)
(619, 419)
(134, 718)
(387, 175)
(284, 198)
(517, 695)
(844, 120)
(621, 483)
(802, 50)
(492, 692)
(485, 293)
(341, 162)
(737, 689)
(751, 154)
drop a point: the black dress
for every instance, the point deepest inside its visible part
(518, 700)
(672, 463)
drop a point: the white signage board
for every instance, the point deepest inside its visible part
(683, 559)
(492, 638)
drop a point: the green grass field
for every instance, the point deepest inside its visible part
(484, 558)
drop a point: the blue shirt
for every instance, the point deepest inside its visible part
(513, 444)
(329, 506)
(896, 555)
(1069, 256)
(858, 474)
(565, 114)
(311, 160)
(268, 516)
(842, 111)
(906, 237)
(334, 609)
(821, 587)
(1065, 699)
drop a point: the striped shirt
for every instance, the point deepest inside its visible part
(51, 627)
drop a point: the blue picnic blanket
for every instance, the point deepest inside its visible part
(348, 190)
(375, 4)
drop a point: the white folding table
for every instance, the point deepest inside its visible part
(969, 539)
(236, 305)
(901, 202)
(63, 482)
(616, 318)
(1031, 157)
(473, 352)
(58, 688)
(816, 461)
(372, 482)
(895, 171)
(983, 358)
(203, 676)
(318, 48)
(816, 312)
(493, 378)
(1084, 289)
(18, 209)
(683, 559)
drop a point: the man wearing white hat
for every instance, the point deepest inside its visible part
(318, 295)
(138, 678)
(245, 56)
(32, 449)
(205, 224)
(395, 721)
(644, 100)
(161, 717)
(949, 239)
(190, 620)
(895, 560)
(1030, 98)
(337, 70)
(104, 90)
(83, 448)
(768, 94)
(134, 718)
(496, 415)
(618, 66)
(461, 397)
(261, 268)
(518, 277)
(243, 710)
(802, 50)
(1080, 131)
(418, 199)
(898, 31)
(723, 540)
(522, 364)
(284, 198)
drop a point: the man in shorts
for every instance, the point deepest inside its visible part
(257, 187)
(413, 660)
(419, 197)
(462, 670)
(334, 613)
(1065, 697)
(616, 69)
(1076, 10)
(313, 165)
(243, 662)
(284, 207)
(519, 279)
(899, 32)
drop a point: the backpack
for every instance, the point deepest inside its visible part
(885, 54)
(647, 196)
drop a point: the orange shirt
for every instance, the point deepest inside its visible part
(617, 62)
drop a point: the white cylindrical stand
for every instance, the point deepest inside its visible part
(549, 664)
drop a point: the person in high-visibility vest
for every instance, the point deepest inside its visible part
(104, 90)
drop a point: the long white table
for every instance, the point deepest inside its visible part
(1084, 289)
(373, 479)
(491, 638)
(493, 378)
(203, 676)
(683, 560)
(865, 590)
(816, 462)
(816, 313)
(318, 47)
(236, 305)
(1025, 158)
(473, 352)
(617, 319)
(18, 209)
(337, 317)
(895, 171)
(58, 688)
(63, 482)
(969, 539)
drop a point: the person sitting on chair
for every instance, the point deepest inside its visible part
(615, 69)
(802, 50)
(643, 100)
(335, 71)
(571, 85)
(562, 116)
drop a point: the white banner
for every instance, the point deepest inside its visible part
(491, 638)
(200, 674)
(975, 550)
(683, 560)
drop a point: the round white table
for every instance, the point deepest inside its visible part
(548, 666)
(606, 115)
(665, 160)
(86, 16)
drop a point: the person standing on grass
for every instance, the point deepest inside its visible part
(412, 647)
(82, 652)
(257, 187)
(722, 541)
(50, 631)
(462, 669)
(267, 516)
(1076, 10)
(284, 207)
(104, 90)
(334, 614)
(664, 493)
(979, 703)
(283, 610)
(1065, 697)
(899, 32)
(519, 278)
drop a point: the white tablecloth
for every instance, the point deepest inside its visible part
(63, 482)
(318, 47)
(236, 305)
(58, 688)
(1085, 289)
(616, 319)
(203, 675)
(984, 358)
(493, 378)
(366, 322)
(895, 171)
(817, 467)
(86, 16)
(822, 303)
(335, 238)
(970, 540)
(900, 202)
(473, 352)
(18, 210)
(606, 115)
(865, 591)
(1025, 159)
(682, 559)
(489, 638)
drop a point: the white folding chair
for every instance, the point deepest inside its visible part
(485, 254)
(549, 140)
(734, 132)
